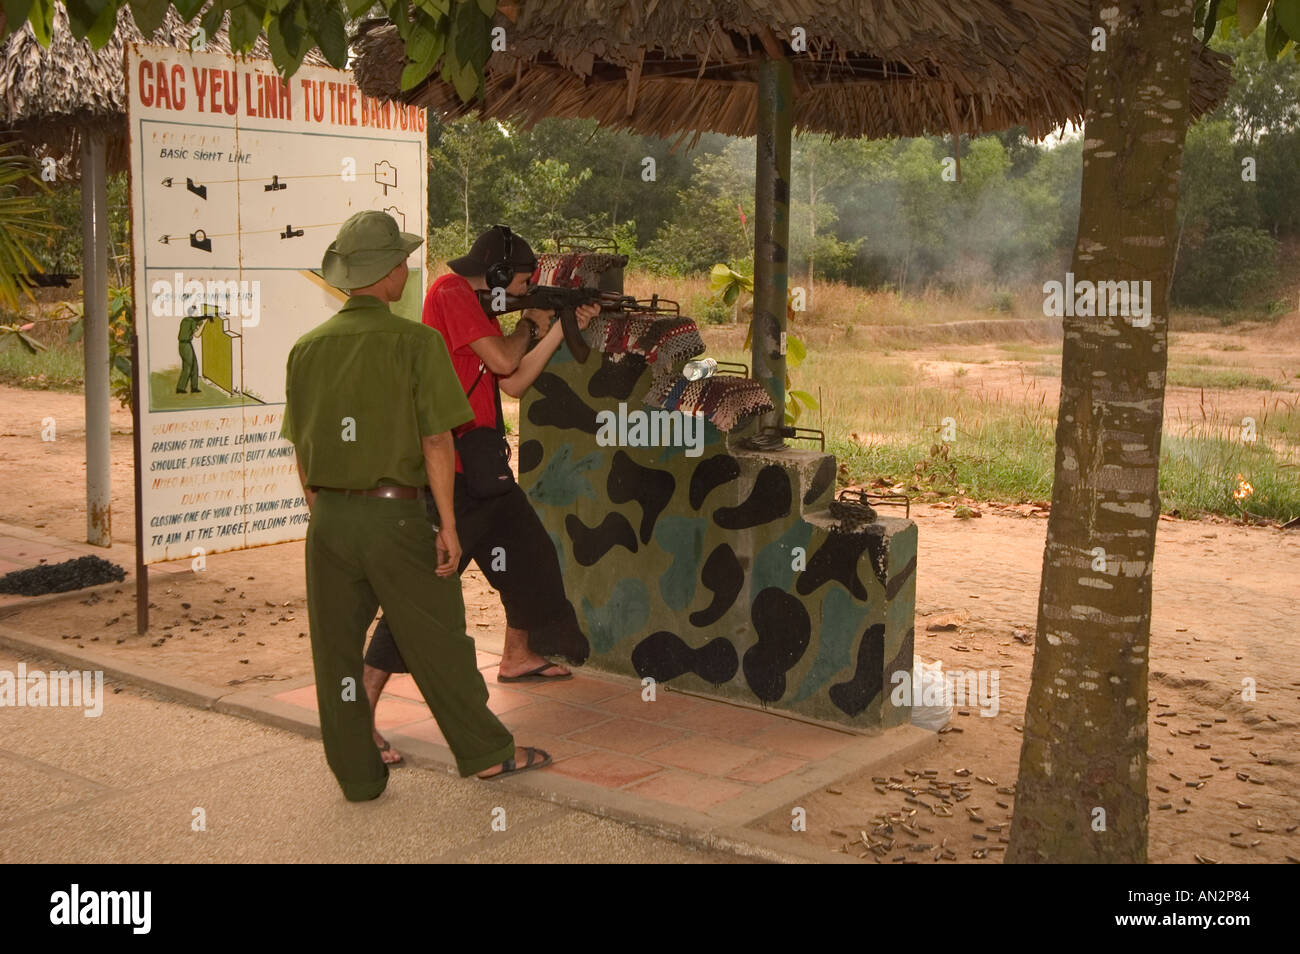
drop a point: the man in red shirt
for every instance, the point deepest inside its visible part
(502, 534)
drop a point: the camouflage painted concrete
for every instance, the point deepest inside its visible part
(721, 572)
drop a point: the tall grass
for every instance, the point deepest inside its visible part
(59, 368)
(840, 304)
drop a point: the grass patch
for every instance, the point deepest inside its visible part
(1221, 379)
(58, 368)
(1003, 459)
(1012, 461)
(163, 396)
(1282, 421)
(1025, 349)
(1199, 474)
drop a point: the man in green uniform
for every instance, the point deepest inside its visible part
(190, 326)
(370, 401)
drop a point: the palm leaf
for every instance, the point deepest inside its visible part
(24, 225)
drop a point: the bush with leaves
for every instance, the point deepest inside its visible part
(728, 285)
(121, 320)
(1228, 267)
(24, 224)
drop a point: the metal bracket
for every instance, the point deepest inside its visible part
(658, 306)
(585, 243)
(852, 497)
(770, 438)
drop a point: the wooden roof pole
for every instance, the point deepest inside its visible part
(775, 123)
(94, 295)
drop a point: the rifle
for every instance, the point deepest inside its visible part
(563, 301)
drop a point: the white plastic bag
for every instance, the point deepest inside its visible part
(932, 704)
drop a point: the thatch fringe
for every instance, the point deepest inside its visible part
(881, 69)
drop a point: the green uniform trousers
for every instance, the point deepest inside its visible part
(189, 367)
(361, 552)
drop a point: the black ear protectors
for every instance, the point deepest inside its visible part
(500, 274)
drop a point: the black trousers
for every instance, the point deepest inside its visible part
(505, 538)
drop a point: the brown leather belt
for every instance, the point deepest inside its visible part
(388, 493)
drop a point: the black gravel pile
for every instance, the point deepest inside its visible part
(61, 577)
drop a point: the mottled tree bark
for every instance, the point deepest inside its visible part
(1085, 730)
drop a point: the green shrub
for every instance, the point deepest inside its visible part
(1226, 268)
(1002, 301)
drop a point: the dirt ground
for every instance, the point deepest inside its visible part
(1225, 608)
(1223, 775)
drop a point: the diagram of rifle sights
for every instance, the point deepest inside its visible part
(384, 175)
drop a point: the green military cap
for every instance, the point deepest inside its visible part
(369, 246)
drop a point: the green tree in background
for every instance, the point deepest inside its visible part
(1240, 190)
(705, 226)
(464, 160)
(820, 167)
(541, 199)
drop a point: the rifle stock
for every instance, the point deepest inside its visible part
(564, 302)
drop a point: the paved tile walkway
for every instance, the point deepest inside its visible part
(699, 754)
(680, 762)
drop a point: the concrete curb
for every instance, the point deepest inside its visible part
(680, 825)
(165, 686)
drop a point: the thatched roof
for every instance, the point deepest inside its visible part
(48, 95)
(877, 69)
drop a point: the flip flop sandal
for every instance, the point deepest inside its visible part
(508, 767)
(535, 675)
(385, 748)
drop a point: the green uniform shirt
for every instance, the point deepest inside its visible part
(361, 390)
(188, 326)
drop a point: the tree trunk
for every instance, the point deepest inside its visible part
(1085, 732)
(812, 228)
(465, 184)
(1173, 265)
(618, 192)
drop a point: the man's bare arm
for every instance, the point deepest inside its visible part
(503, 354)
(534, 361)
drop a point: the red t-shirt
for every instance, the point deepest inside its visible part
(452, 308)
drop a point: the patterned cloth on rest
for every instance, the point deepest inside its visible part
(575, 269)
(725, 401)
(664, 340)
